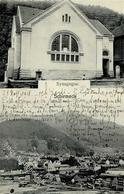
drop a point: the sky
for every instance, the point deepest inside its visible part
(116, 5)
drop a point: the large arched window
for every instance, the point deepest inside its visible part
(64, 48)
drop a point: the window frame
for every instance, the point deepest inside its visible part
(105, 56)
(64, 55)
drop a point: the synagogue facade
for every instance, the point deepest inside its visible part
(61, 42)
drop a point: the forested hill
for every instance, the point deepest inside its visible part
(108, 17)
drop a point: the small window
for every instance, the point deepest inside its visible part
(77, 58)
(105, 53)
(63, 18)
(67, 57)
(53, 57)
(66, 18)
(58, 57)
(72, 58)
(63, 57)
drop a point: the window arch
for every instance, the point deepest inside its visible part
(66, 18)
(105, 53)
(65, 48)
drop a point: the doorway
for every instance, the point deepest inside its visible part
(106, 67)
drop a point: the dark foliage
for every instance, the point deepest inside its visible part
(29, 134)
(108, 17)
(71, 161)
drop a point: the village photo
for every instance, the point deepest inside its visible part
(62, 140)
(60, 40)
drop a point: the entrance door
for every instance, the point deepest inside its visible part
(106, 67)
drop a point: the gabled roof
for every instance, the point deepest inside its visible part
(27, 13)
(17, 24)
(101, 28)
(119, 31)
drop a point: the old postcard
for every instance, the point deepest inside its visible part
(61, 97)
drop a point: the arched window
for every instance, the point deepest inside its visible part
(105, 53)
(66, 18)
(65, 48)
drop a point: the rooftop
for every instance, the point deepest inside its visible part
(28, 13)
(100, 27)
(119, 31)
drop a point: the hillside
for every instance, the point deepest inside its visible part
(108, 17)
(35, 136)
(60, 136)
(88, 131)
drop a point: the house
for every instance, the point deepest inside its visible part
(119, 50)
(61, 42)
